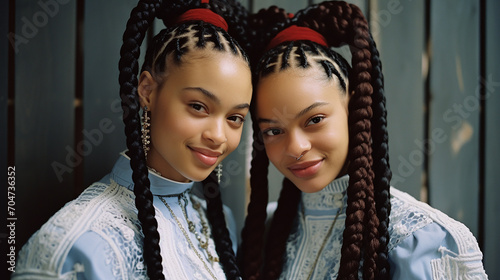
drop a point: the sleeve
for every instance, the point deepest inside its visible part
(89, 258)
(432, 253)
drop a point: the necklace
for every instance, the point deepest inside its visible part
(326, 238)
(187, 236)
(204, 227)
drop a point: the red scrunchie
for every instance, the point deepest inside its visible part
(205, 15)
(296, 33)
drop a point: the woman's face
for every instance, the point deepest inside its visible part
(197, 113)
(302, 114)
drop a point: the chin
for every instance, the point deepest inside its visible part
(309, 186)
(198, 176)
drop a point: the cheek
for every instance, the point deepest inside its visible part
(333, 139)
(273, 153)
(233, 139)
(336, 141)
(171, 125)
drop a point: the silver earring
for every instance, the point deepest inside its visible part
(219, 172)
(145, 131)
(299, 157)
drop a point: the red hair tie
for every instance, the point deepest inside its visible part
(205, 15)
(296, 33)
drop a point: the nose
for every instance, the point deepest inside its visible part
(215, 132)
(298, 144)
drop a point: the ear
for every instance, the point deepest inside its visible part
(146, 88)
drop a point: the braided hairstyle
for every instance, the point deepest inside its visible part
(173, 42)
(366, 234)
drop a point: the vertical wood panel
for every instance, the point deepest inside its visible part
(492, 93)
(4, 54)
(44, 111)
(454, 111)
(399, 33)
(103, 130)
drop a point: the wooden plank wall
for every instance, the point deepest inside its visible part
(442, 80)
(491, 92)
(44, 114)
(4, 90)
(454, 110)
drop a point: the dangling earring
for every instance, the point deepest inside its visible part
(145, 131)
(218, 169)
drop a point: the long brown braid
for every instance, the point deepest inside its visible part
(365, 239)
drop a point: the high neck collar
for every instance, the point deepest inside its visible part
(122, 174)
(329, 198)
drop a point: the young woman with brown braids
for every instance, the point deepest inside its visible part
(323, 125)
(141, 221)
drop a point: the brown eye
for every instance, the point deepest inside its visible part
(237, 120)
(272, 132)
(198, 107)
(315, 120)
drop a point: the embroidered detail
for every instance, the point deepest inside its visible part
(464, 264)
(453, 266)
(404, 220)
(407, 216)
(108, 211)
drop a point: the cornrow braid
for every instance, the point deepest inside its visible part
(175, 41)
(366, 236)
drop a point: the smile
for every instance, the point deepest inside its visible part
(306, 169)
(206, 156)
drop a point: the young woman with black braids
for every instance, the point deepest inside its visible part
(323, 125)
(194, 90)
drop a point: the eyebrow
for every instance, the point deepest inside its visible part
(207, 93)
(216, 99)
(300, 114)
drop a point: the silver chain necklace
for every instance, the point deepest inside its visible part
(203, 244)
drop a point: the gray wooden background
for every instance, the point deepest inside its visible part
(60, 116)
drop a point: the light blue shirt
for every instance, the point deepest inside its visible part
(98, 236)
(424, 242)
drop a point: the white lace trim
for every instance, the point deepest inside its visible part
(464, 264)
(110, 212)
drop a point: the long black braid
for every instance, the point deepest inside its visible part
(366, 233)
(381, 165)
(172, 41)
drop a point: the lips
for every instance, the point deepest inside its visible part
(206, 156)
(306, 169)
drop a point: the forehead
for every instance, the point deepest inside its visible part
(294, 89)
(221, 73)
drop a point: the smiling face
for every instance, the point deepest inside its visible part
(197, 113)
(303, 114)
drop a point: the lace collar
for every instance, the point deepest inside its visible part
(122, 174)
(328, 199)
